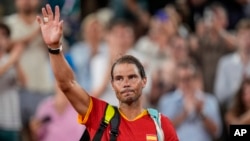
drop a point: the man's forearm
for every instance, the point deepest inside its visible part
(62, 71)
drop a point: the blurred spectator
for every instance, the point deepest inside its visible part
(55, 120)
(163, 81)
(179, 50)
(191, 10)
(214, 43)
(233, 68)
(155, 44)
(84, 51)
(25, 30)
(10, 76)
(194, 113)
(239, 113)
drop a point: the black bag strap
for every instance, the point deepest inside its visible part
(102, 127)
(85, 136)
(114, 123)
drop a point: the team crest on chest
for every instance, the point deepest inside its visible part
(151, 137)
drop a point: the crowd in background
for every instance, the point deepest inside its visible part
(196, 54)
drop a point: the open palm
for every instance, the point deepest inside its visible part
(51, 26)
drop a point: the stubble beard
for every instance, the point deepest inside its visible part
(130, 99)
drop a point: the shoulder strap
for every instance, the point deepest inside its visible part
(155, 115)
(115, 122)
(85, 136)
(111, 116)
(109, 113)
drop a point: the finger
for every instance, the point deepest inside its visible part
(50, 13)
(44, 12)
(57, 13)
(39, 20)
(61, 25)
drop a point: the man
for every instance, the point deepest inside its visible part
(11, 77)
(189, 107)
(127, 78)
(25, 30)
(215, 42)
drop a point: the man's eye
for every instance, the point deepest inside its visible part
(119, 79)
(133, 77)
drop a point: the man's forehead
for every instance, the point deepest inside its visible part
(125, 68)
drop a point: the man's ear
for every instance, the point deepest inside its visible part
(144, 82)
(112, 84)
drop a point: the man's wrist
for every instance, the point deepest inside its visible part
(54, 49)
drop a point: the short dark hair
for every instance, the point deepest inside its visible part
(119, 22)
(191, 65)
(5, 28)
(129, 59)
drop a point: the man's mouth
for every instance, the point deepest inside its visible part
(127, 91)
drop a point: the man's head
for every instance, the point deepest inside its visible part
(4, 36)
(27, 6)
(219, 15)
(243, 34)
(91, 28)
(128, 78)
(189, 77)
(179, 48)
(120, 35)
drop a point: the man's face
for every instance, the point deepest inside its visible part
(179, 49)
(27, 6)
(127, 83)
(185, 78)
(93, 31)
(121, 37)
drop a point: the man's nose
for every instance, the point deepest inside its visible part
(126, 82)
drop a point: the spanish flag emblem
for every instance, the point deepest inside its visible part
(151, 137)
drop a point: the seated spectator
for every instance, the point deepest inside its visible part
(194, 113)
(239, 113)
(55, 120)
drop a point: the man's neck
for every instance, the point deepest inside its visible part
(131, 111)
(28, 18)
(244, 57)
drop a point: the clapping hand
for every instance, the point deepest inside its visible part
(51, 26)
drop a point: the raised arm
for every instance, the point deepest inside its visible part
(52, 31)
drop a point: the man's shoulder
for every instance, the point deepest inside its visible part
(229, 58)
(13, 18)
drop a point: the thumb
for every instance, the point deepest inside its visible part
(39, 20)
